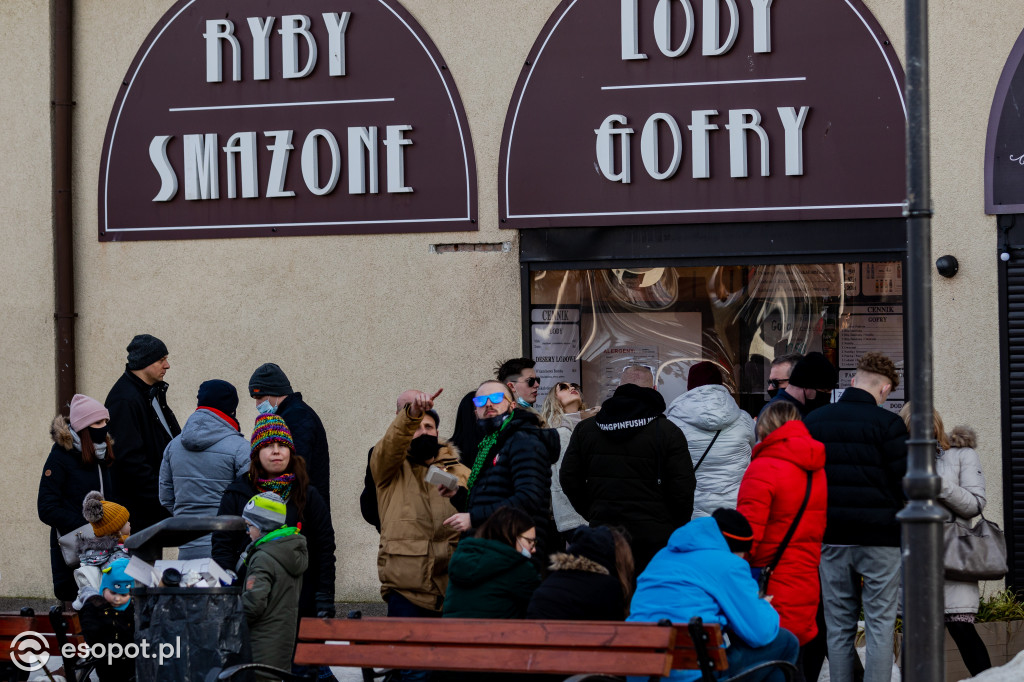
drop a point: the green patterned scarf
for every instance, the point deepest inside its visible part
(484, 451)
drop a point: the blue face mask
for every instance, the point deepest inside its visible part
(523, 402)
(525, 552)
(265, 407)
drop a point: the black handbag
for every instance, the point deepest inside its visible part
(766, 572)
(972, 554)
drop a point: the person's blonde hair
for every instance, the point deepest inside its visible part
(939, 430)
(774, 416)
(552, 411)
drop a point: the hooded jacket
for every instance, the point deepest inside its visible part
(273, 582)
(701, 413)
(64, 483)
(198, 464)
(317, 528)
(415, 545)
(697, 575)
(770, 496)
(310, 442)
(582, 584)
(141, 439)
(963, 494)
(488, 579)
(865, 461)
(629, 466)
(518, 473)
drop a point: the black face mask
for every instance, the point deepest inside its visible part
(98, 435)
(772, 392)
(491, 424)
(423, 448)
(820, 399)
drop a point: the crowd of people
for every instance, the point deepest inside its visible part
(782, 528)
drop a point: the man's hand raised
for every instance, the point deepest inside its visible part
(422, 402)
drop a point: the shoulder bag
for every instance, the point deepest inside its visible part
(706, 451)
(69, 541)
(766, 572)
(972, 554)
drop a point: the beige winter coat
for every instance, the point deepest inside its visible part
(415, 545)
(963, 494)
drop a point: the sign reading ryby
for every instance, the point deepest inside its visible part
(243, 118)
(640, 112)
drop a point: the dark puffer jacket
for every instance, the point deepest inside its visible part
(310, 442)
(141, 440)
(629, 466)
(582, 584)
(273, 580)
(317, 528)
(865, 461)
(518, 473)
(65, 482)
(488, 579)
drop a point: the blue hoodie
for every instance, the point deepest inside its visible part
(697, 575)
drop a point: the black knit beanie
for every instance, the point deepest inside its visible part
(144, 350)
(218, 394)
(814, 371)
(735, 528)
(268, 379)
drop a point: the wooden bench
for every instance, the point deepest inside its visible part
(57, 629)
(576, 650)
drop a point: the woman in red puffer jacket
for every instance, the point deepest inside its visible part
(771, 493)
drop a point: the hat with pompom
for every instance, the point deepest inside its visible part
(106, 518)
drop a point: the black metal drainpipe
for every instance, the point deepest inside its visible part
(922, 518)
(63, 237)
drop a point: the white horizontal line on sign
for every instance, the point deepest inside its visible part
(687, 85)
(314, 224)
(284, 104)
(706, 210)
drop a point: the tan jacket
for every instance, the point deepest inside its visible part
(415, 545)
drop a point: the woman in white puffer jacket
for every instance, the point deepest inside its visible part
(706, 409)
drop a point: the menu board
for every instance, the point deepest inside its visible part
(555, 337)
(865, 328)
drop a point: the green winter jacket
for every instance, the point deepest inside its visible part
(488, 579)
(273, 582)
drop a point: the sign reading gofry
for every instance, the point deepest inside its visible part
(243, 118)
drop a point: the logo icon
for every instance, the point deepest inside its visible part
(28, 651)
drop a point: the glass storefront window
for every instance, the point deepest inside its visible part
(588, 325)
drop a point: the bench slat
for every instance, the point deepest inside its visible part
(490, 659)
(479, 632)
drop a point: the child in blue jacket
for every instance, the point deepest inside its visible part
(702, 572)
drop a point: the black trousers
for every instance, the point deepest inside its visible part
(972, 649)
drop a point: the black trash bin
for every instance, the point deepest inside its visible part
(203, 626)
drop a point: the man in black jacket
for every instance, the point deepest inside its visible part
(141, 425)
(865, 461)
(273, 393)
(629, 466)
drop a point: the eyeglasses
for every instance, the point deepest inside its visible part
(565, 386)
(529, 381)
(495, 398)
(778, 383)
(529, 542)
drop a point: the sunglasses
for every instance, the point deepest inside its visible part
(777, 383)
(531, 381)
(563, 386)
(495, 398)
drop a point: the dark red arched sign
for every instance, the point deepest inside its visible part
(1004, 144)
(242, 118)
(640, 112)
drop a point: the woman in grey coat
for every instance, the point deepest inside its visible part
(963, 494)
(562, 411)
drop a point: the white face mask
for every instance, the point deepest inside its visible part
(525, 552)
(265, 407)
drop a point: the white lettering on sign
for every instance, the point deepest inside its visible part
(711, 43)
(741, 122)
(202, 165)
(295, 31)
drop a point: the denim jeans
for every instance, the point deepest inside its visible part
(841, 570)
(784, 647)
(400, 607)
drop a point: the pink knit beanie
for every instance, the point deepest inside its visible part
(86, 411)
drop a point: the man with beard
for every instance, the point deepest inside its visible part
(415, 544)
(629, 466)
(810, 384)
(512, 467)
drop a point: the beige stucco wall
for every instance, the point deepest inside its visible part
(355, 320)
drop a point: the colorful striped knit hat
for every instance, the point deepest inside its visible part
(270, 428)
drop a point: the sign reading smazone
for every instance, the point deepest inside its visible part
(641, 112)
(242, 118)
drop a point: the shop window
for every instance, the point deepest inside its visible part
(588, 325)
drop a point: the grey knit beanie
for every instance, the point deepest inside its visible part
(269, 379)
(144, 350)
(266, 511)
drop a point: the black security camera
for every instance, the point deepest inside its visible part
(947, 266)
